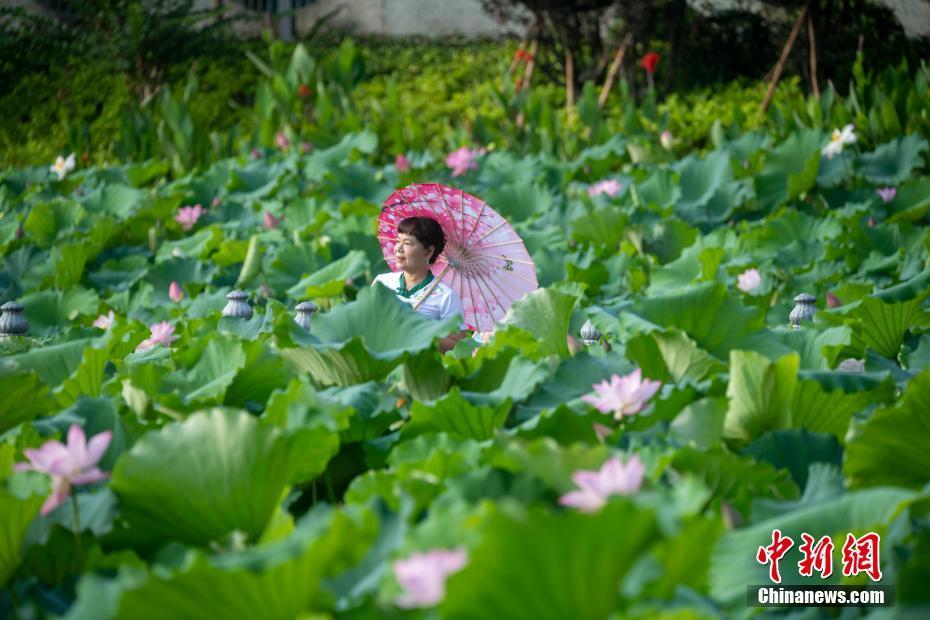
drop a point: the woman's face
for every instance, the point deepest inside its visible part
(410, 255)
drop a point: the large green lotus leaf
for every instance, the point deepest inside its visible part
(17, 510)
(325, 160)
(51, 311)
(701, 180)
(331, 279)
(89, 376)
(716, 320)
(888, 315)
(53, 363)
(791, 238)
(47, 219)
(561, 424)
(208, 378)
(25, 397)
(790, 168)
(911, 202)
(824, 481)
(667, 239)
(818, 350)
(659, 190)
(276, 580)
(361, 340)
(573, 379)
(700, 424)
(119, 274)
(760, 393)
(546, 314)
(670, 355)
(826, 402)
(546, 459)
(289, 263)
(264, 372)
(891, 163)
(198, 480)
(515, 379)
(454, 415)
(603, 227)
(117, 200)
(424, 376)
(891, 447)
(196, 245)
(735, 479)
(520, 200)
(795, 450)
(734, 565)
(575, 573)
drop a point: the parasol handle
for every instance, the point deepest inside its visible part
(433, 286)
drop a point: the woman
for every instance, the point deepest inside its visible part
(420, 241)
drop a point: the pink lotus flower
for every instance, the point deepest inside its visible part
(256, 154)
(462, 160)
(423, 576)
(305, 147)
(872, 222)
(402, 163)
(68, 465)
(281, 141)
(602, 432)
(271, 221)
(161, 333)
(611, 187)
(833, 301)
(175, 293)
(887, 194)
(104, 320)
(749, 280)
(667, 140)
(622, 396)
(188, 216)
(613, 478)
(215, 202)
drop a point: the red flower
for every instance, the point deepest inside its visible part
(304, 91)
(523, 55)
(649, 61)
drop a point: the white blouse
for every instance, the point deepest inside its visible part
(442, 303)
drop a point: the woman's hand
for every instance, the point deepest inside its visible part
(448, 343)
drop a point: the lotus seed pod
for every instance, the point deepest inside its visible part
(305, 310)
(12, 321)
(803, 310)
(237, 305)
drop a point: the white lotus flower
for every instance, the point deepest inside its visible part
(838, 140)
(63, 166)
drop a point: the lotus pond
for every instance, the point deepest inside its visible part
(218, 467)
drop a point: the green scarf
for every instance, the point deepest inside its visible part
(403, 291)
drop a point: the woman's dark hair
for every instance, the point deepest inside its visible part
(427, 231)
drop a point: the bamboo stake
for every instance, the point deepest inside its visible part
(812, 45)
(516, 57)
(433, 286)
(612, 72)
(527, 76)
(530, 65)
(780, 65)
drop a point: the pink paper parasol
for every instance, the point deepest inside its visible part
(484, 260)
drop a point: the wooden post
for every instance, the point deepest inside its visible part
(612, 71)
(780, 65)
(812, 46)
